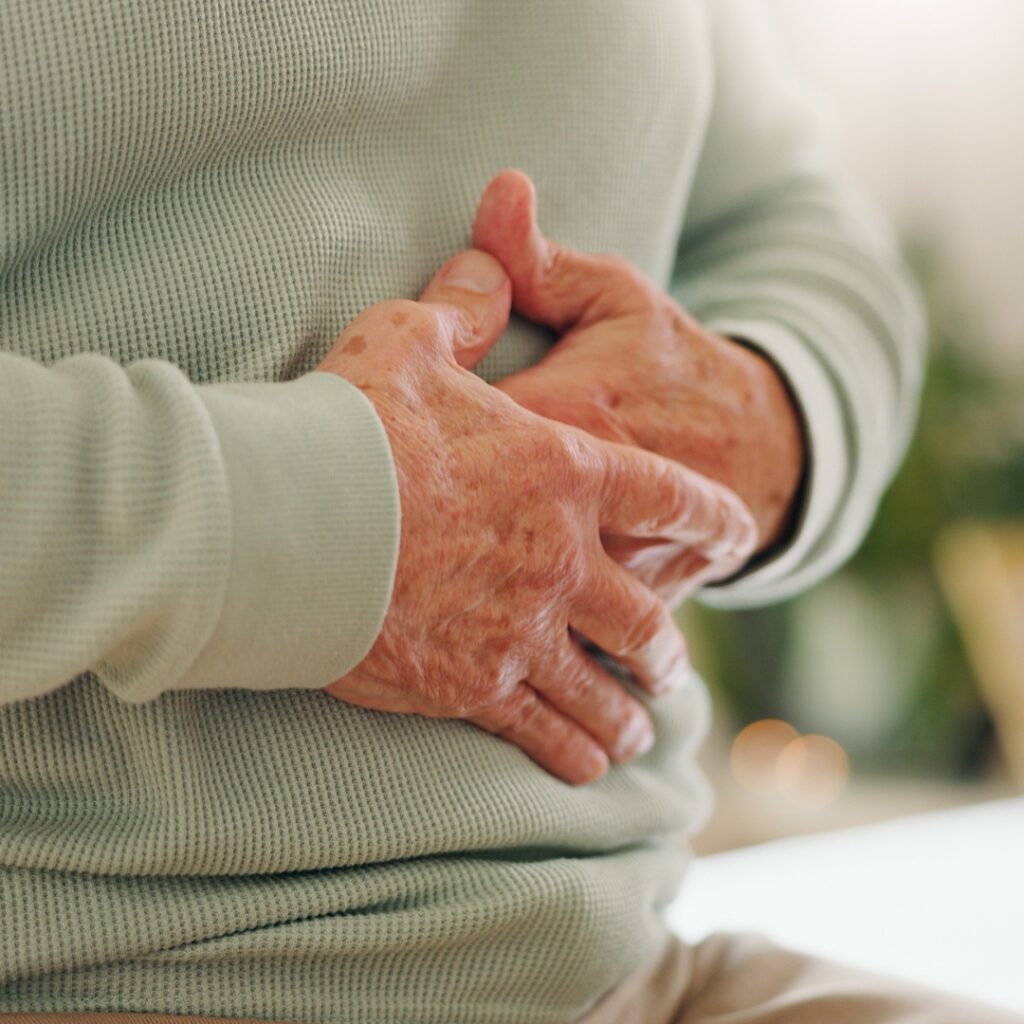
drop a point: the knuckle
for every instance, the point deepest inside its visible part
(575, 684)
(644, 627)
(519, 711)
(556, 261)
(468, 325)
(566, 453)
(492, 688)
(560, 446)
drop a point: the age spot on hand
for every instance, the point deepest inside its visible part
(355, 345)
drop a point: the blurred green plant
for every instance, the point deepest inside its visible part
(966, 461)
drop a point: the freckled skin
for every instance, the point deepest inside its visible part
(632, 366)
(500, 564)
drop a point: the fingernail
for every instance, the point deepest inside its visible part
(636, 739)
(674, 679)
(592, 765)
(475, 271)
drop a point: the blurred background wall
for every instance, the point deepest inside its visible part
(898, 684)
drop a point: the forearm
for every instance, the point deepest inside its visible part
(168, 536)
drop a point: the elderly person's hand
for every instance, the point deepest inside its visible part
(632, 366)
(500, 569)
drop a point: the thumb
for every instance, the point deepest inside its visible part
(474, 287)
(551, 283)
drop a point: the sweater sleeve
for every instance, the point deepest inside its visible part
(168, 536)
(781, 253)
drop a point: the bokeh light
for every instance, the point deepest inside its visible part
(772, 757)
(756, 751)
(812, 770)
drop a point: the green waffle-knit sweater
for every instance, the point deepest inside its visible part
(198, 531)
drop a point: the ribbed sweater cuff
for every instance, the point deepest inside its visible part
(315, 530)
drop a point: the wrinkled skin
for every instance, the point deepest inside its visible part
(632, 366)
(501, 571)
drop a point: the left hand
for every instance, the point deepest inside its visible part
(632, 366)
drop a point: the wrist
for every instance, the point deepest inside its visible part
(769, 438)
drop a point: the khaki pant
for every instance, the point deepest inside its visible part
(726, 979)
(745, 979)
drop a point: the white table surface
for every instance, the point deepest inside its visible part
(936, 898)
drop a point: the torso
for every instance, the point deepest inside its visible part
(224, 185)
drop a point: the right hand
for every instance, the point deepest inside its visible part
(501, 570)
